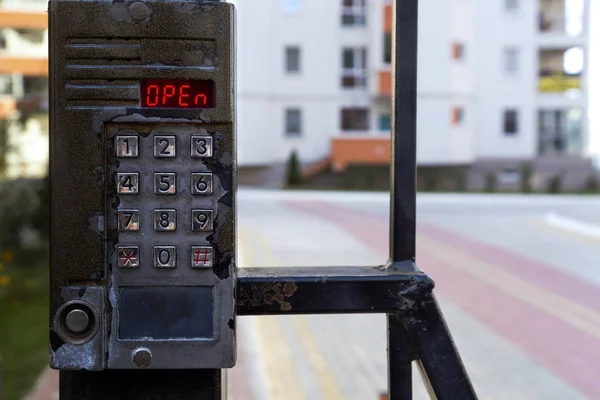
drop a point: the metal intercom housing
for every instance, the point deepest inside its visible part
(143, 178)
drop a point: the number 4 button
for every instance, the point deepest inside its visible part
(202, 183)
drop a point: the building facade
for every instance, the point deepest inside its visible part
(23, 88)
(500, 82)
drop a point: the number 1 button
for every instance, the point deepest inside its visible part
(202, 183)
(164, 146)
(127, 146)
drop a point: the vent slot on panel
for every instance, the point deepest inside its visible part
(102, 55)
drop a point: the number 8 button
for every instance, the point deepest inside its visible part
(202, 183)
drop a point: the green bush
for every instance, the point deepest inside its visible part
(526, 173)
(592, 185)
(294, 173)
(555, 184)
(491, 182)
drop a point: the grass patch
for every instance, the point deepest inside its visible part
(24, 306)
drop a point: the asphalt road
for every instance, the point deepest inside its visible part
(518, 278)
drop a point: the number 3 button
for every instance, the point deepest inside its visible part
(202, 183)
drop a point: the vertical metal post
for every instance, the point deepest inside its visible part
(403, 183)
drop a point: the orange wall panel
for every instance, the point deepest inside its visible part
(387, 19)
(23, 19)
(8, 106)
(24, 65)
(366, 151)
(385, 83)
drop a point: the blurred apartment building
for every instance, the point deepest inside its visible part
(23, 88)
(500, 82)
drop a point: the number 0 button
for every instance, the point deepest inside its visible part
(202, 183)
(202, 146)
(164, 183)
(165, 220)
(128, 183)
(165, 256)
(164, 146)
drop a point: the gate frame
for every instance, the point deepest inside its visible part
(416, 330)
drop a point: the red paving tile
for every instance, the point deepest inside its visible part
(568, 352)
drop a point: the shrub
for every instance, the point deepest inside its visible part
(555, 184)
(491, 182)
(526, 172)
(591, 184)
(294, 174)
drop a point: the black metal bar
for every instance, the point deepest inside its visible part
(404, 131)
(441, 365)
(400, 358)
(328, 290)
(138, 384)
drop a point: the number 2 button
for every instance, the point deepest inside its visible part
(164, 146)
(202, 183)
(164, 183)
(128, 183)
(202, 146)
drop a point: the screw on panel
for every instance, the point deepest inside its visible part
(139, 11)
(142, 358)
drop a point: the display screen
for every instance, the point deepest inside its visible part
(177, 93)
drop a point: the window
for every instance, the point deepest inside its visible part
(511, 60)
(511, 122)
(353, 12)
(293, 122)
(511, 5)
(292, 59)
(355, 119)
(458, 51)
(387, 47)
(385, 123)
(559, 131)
(354, 65)
(292, 6)
(458, 115)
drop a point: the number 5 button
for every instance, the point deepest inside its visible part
(164, 183)
(202, 183)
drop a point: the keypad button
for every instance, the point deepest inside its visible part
(128, 183)
(202, 146)
(164, 183)
(202, 183)
(202, 257)
(127, 146)
(165, 256)
(165, 220)
(128, 220)
(164, 146)
(202, 220)
(128, 256)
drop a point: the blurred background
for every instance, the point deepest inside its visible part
(508, 206)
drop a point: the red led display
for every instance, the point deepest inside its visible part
(177, 93)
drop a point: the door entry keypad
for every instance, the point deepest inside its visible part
(163, 189)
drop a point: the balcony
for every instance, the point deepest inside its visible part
(561, 17)
(561, 70)
(39, 6)
(364, 149)
(23, 14)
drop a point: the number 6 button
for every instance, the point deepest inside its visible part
(202, 183)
